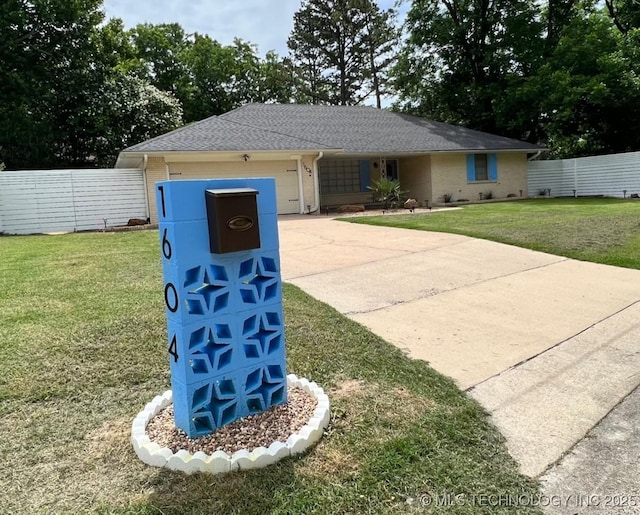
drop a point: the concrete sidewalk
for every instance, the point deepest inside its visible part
(600, 475)
(547, 344)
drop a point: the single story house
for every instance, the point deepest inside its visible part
(323, 155)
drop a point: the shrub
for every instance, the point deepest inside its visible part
(388, 192)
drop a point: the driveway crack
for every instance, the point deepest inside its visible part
(399, 253)
(560, 343)
(449, 290)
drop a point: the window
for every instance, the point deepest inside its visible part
(482, 167)
(392, 170)
(343, 176)
(482, 170)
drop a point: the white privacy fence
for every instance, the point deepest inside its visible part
(616, 175)
(41, 201)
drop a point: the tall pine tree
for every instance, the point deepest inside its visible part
(342, 50)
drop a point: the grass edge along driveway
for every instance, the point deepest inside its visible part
(599, 230)
(83, 349)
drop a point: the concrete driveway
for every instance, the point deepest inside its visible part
(547, 344)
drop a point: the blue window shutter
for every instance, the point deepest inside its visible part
(471, 167)
(493, 167)
(365, 175)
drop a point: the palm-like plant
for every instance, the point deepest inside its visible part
(387, 191)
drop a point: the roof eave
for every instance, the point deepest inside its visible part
(528, 150)
(127, 156)
(365, 153)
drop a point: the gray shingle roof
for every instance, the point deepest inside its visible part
(355, 129)
(216, 133)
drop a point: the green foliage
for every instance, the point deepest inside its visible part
(208, 78)
(589, 89)
(563, 73)
(75, 91)
(625, 14)
(381, 38)
(388, 192)
(69, 98)
(49, 74)
(212, 69)
(131, 110)
(277, 79)
(159, 50)
(461, 55)
(342, 50)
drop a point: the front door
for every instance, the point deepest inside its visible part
(392, 169)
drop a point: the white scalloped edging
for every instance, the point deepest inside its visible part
(152, 454)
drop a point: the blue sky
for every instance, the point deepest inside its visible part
(266, 23)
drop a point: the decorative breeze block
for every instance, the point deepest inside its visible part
(225, 322)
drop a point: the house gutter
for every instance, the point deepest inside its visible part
(316, 183)
(535, 156)
(300, 188)
(145, 161)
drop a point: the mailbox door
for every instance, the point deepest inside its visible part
(233, 220)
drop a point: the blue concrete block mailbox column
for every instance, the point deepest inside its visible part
(224, 309)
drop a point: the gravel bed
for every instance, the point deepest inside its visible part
(260, 430)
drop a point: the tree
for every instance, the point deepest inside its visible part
(316, 43)
(131, 110)
(589, 89)
(559, 14)
(160, 58)
(341, 49)
(49, 72)
(211, 68)
(625, 14)
(277, 79)
(381, 38)
(245, 73)
(462, 56)
(116, 49)
(159, 49)
(311, 85)
(65, 87)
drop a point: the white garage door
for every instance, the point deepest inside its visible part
(284, 172)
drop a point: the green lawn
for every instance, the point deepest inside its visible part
(82, 350)
(599, 230)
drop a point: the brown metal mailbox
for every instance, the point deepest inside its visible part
(233, 219)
